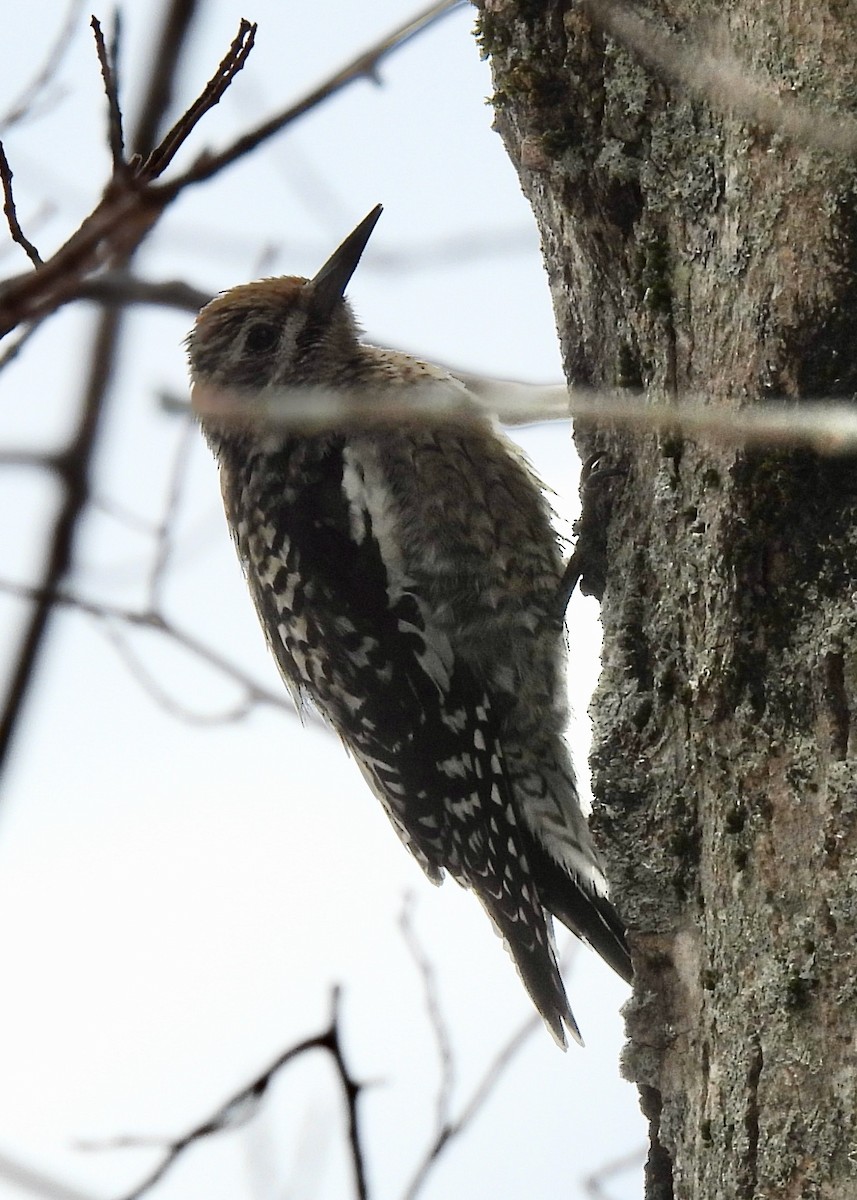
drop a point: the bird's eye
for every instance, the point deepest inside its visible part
(262, 336)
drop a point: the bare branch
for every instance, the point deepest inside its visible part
(108, 236)
(128, 217)
(120, 512)
(14, 348)
(256, 693)
(27, 458)
(22, 107)
(37, 1183)
(119, 288)
(493, 1073)
(593, 1185)
(107, 60)
(364, 66)
(165, 59)
(435, 1015)
(230, 65)
(112, 232)
(447, 1127)
(242, 1106)
(133, 205)
(12, 213)
(454, 1128)
(120, 222)
(827, 426)
(73, 466)
(142, 675)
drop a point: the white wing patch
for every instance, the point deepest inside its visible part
(372, 510)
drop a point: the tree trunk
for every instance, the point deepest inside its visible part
(697, 251)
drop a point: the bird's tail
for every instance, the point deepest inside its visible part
(528, 935)
(561, 854)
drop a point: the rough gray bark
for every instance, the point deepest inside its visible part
(696, 251)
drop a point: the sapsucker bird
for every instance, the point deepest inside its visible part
(407, 576)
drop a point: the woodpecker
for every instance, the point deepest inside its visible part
(407, 577)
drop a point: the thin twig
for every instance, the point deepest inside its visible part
(256, 692)
(125, 215)
(443, 1104)
(12, 213)
(23, 105)
(24, 334)
(242, 1106)
(593, 1185)
(125, 221)
(447, 1127)
(212, 93)
(364, 65)
(37, 1183)
(164, 58)
(74, 464)
(112, 232)
(495, 1070)
(131, 217)
(454, 1128)
(162, 698)
(165, 530)
(107, 60)
(122, 513)
(27, 458)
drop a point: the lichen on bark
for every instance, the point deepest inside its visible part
(694, 251)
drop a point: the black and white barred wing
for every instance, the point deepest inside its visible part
(349, 635)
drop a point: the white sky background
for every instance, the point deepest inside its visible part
(177, 900)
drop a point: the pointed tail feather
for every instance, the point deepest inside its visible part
(528, 937)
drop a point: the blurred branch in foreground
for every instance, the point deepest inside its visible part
(134, 200)
(131, 205)
(826, 425)
(24, 106)
(712, 71)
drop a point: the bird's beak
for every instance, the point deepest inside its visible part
(329, 284)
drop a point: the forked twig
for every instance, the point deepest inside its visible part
(447, 1126)
(107, 614)
(229, 66)
(243, 1104)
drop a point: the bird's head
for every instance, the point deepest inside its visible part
(275, 333)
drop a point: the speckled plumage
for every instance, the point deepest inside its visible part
(406, 577)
